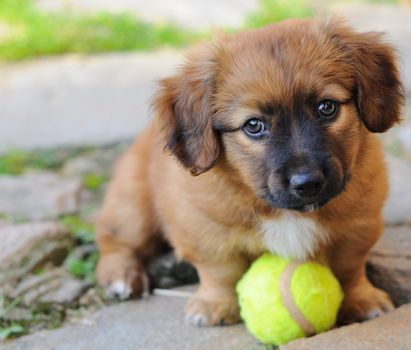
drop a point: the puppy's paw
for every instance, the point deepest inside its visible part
(201, 312)
(364, 303)
(122, 277)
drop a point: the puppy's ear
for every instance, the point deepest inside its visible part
(184, 109)
(379, 92)
(380, 95)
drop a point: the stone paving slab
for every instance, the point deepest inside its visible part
(153, 324)
(389, 332)
(38, 196)
(397, 209)
(54, 285)
(389, 264)
(72, 100)
(24, 247)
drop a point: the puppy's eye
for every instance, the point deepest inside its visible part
(254, 127)
(327, 109)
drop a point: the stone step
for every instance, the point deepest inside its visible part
(389, 264)
(391, 331)
(77, 100)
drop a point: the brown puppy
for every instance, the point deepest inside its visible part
(276, 125)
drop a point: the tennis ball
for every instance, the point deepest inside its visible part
(282, 300)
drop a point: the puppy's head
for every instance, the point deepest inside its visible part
(287, 106)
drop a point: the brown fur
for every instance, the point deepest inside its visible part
(212, 220)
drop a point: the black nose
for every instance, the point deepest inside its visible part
(307, 183)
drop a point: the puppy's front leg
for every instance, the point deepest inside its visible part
(215, 302)
(362, 301)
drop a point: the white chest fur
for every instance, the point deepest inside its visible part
(292, 235)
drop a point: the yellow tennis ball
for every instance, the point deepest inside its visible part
(282, 300)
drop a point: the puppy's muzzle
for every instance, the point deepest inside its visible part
(307, 183)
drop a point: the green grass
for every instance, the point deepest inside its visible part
(84, 267)
(36, 33)
(81, 266)
(394, 147)
(94, 181)
(81, 230)
(16, 162)
(272, 11)
(11, 330)
(39, 316)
